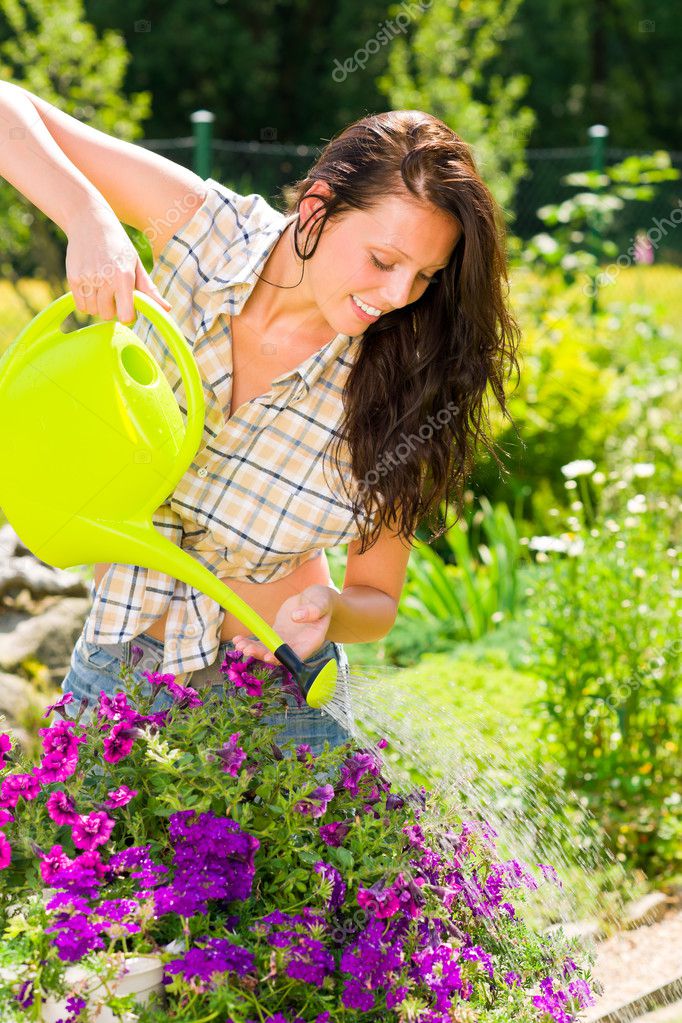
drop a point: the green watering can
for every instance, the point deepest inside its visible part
(93, 442)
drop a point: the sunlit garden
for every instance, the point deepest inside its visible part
(510, 803)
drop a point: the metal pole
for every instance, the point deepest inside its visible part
(202, 129)
(597, 134)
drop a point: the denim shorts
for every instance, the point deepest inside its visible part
(97, 666)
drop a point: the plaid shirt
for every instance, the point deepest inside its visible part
(254, 504)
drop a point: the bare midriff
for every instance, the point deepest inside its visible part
(265, 598)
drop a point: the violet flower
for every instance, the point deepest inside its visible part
(315, 805)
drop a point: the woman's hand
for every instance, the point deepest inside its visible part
(302, 621)
(103, 268)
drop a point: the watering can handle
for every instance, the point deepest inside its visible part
(55, 313)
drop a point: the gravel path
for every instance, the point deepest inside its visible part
(633, 962)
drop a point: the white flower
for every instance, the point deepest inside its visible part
(547, 543)
(637, 504)
(643, 469)
(581, 467)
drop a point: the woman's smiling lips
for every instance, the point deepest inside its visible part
(361, 312)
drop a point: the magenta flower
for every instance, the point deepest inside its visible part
(232, 755)
(59, 704)
(5, 747)
(119, 797)
(54, 768)
(92, 830)
(5, 852)
(52, 862)
(333, 834)
(15, 786)
(155, 678)
(61, 808)
(237, 671)
(119, 742)
(59, 739)
(115, 708)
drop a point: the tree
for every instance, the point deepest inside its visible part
(52, 51)
(441, 68)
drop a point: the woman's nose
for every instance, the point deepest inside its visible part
(399, 290)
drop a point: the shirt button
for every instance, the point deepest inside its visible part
(202, 472)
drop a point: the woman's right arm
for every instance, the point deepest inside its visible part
(87, 182)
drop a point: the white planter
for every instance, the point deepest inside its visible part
(143, 976)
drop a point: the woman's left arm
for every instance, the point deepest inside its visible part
(364, 611)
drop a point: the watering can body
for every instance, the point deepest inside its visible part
(93, 442)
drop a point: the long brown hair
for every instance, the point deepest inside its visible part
(433, 359)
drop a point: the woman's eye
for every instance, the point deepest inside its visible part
(381, 266)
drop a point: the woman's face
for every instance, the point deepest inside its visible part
(384, 257)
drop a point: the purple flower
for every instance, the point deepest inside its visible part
(136, 655)
(76, 936)
(93, 830)
(305, 755)
(550, 874)
(232, 755)
(61, 808)
(218, 955)
(356, 997)
(438, 969)
(119, 797)
(333, 834)
(580, 989)
(330, 873)
(552, 1001)
(355, 768)
(59, 704)
(315, 805)
(24, 995)
(511, 978)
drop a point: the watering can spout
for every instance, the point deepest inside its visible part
(94, 442)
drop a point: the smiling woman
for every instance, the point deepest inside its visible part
(370, 309)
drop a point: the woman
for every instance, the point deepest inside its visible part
(345, 348)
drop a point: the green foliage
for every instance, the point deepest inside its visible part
(604, 631)
(578, 241)
(460, 590)
(51, 50)
(442, 67)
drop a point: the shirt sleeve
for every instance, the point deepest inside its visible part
(195, 264)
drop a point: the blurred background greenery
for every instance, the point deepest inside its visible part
(556, 595)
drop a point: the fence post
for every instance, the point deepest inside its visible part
(202, 129)
(597, 134)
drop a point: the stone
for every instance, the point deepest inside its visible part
(48, 637)
(18, 574)
(648, 910)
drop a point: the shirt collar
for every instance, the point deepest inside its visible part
(241, 283)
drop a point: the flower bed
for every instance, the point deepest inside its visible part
(275, 886)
